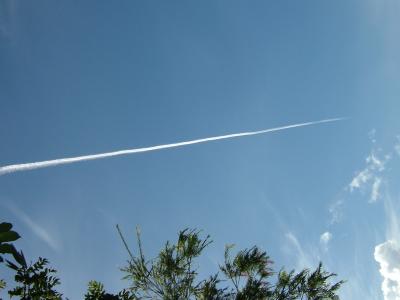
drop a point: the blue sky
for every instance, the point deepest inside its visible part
(88, 77)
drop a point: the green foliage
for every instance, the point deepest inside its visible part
(209, 289)
(247, 275)
(2, 284)
(96, 292)
(306, 285)
(35, 282)
(248, 271)
(173, 275)
(7, 236)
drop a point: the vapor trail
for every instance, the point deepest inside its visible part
(69, 160)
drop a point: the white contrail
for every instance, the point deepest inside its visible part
(61, 161)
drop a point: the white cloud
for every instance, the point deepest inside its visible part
(336, 211)
(324, 239)
(375, 193)
(8, 15)
(368, 180)
(387, 255)
(38, 230)
(370, 177)
(70, 160)
(372, 135)
(372, 180)
(358, 181)
(397, 145)
(375, 163)
(303, 259)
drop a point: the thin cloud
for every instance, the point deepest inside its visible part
(370, 176)
(62, 161)
(370, 179)
(336, 211)
(373, 180)
(303, 259)
(375, 193)
(387, 253)
(372, 135)
(324, 239)
(38, 230)
(358, 181)
(8, 11)
(397, 146)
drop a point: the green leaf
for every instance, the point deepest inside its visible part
(5, 227)
(20, 258)
(7, 248)
(8, 236)
(12, 265)
(2, 284)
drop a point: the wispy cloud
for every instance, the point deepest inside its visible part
(371, 175)
(397, 146)
(8, 10)
(37, 229)
(324, 240)
(373, 180)
(387, 253)
(375, 193)
(304, 260)
(370, 179)
(336, 211)
(358, 181)
(62, 161)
